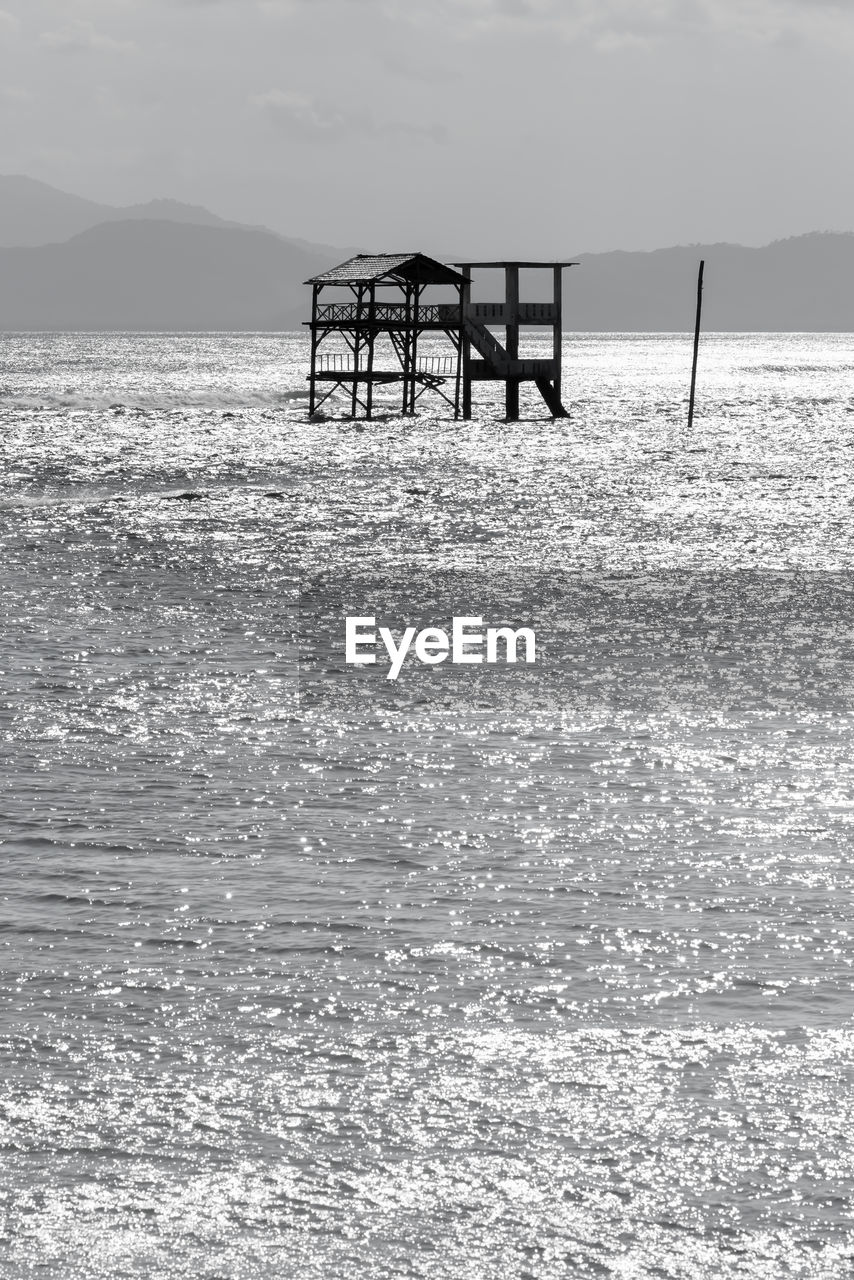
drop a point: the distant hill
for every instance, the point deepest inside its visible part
(146, 274)
(168, 274)
(34, 213)
(804, 283)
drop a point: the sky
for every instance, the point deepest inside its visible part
(536, 128)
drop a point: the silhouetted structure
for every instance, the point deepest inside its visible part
(368, 324)
(503, 362)
(392, 322)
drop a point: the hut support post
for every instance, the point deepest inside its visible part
(357, 338)
(557, 335)
(406, 347)
(459, 345)
(369, 394)
(416, 301)
(312, 381)
(511, 320)
(465, 303)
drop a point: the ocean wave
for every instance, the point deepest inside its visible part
(168, 400)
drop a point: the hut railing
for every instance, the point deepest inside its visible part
(350, 314)
(440, 314)
(439, 366)
(525, 313)
(334, 362)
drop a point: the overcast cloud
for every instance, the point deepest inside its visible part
(490, 126)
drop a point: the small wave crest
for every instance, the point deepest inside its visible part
(168, 400)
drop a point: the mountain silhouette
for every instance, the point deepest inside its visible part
(35, 213)
(799, 284)
(71, 263)
(144, 275)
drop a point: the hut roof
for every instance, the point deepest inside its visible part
(396, 268)
(514, 262)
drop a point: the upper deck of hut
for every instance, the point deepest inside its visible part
(407, 273)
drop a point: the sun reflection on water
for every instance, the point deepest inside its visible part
(518, 993)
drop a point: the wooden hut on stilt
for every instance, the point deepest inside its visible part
(371, 337)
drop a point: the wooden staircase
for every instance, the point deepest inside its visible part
(487, 345)
(496, 363)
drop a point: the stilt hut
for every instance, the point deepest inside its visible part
(383, 301)
(371, 336)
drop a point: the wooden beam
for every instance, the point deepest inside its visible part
(551, 397)
(356, 340)
(458, 343)
(406, 342)
(371, 337)
(465, 300)
(511, 304)
(514, 263)
(415, 301)
(315, 342)
(557, 332)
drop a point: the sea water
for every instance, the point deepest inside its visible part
(301, 985)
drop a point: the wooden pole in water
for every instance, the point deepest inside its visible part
(696, 344)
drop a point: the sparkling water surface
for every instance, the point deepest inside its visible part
(419, 991)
